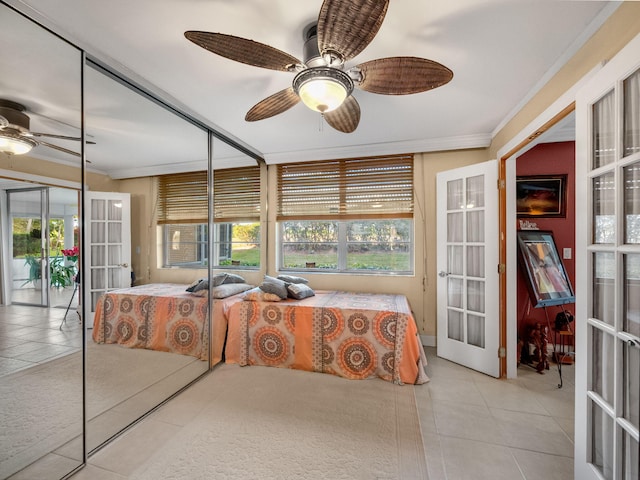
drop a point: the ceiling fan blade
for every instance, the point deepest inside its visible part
(273, 105)
(348, 26)
(346, 117)
(402, 75)
(243, 50)
(61, 137)
(60, 149)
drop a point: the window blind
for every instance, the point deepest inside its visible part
(182, 198)
(374, 187)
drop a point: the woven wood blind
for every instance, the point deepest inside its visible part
(377, 187)
(182, 198)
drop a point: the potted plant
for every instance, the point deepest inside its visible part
(35, 270)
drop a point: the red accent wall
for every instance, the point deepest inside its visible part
(549, 159)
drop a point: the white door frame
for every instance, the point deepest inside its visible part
(551, 112)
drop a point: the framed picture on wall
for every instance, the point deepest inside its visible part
(547, 278)
(541, 196)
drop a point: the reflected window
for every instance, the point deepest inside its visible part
(184, 211)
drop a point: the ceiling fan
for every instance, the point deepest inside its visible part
(343, 30)
(15, 136)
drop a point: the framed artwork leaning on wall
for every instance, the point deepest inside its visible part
(547, 278)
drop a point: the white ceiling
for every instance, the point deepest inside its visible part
(501, 53)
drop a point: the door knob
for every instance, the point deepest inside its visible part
(442, 273)
(123, 265)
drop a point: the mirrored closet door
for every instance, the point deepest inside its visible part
(41, 359)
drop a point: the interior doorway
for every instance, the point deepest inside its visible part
(41, 225)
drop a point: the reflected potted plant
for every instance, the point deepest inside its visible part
(35, 271)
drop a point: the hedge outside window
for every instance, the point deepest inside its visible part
(353, 215)
(183, 215)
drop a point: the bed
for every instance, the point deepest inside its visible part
(163, 317)
(353, 335)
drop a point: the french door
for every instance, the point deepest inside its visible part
(467, 247)
(108, 234)
(608, 271)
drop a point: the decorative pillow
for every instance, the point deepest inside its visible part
(233, 278)
(257, 295)
(228, 289)
(274, 285)
(218, 279)
(202, 285)
(191, 287)
(300, 291)
(292, 279)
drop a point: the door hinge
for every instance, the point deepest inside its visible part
(502, 268)
(502, 352)
(501, 183)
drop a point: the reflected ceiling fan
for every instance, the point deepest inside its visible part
(15, 136)
(343, 30)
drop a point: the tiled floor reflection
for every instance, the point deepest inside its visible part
(33, 335)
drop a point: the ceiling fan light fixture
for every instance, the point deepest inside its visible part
(323, 89)
(14, 144)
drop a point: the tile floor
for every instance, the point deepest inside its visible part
(473, 426)
(32, 335)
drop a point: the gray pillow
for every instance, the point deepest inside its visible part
(228, 289)
(300, 291)
(275, 286)
(292, 279)
(191, 287)
(218, 279)
(202, 285)
(233, 278)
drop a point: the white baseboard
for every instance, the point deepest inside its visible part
(428, 340)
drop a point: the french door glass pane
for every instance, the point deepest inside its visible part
(604, 208)
(475, 226)
(454, 325)
(454, 227)
(475, 261)
(455, 195)
(630, 460)
(454, 260)
(97, 209)
(632, 203)
(631, 383)
(602, 364)
(475, 191)
(454, 292)
(602, 441)
(115, 210)
(475, 296)
(475, 330)
(604, 268)
(631, 320)
(632, 114)
(604, 140)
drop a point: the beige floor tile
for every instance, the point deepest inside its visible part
(471, 422)
(478, 460)
(91, 472)
(127, 452)
(536, 466)
(450, 389)
(508, 395)
(540, 433)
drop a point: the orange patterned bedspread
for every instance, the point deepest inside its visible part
(353, 335)
(158, 316)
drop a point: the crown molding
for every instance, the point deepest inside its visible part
(373, 149)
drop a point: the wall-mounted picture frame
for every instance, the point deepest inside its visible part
(541, 196)
(548, 281)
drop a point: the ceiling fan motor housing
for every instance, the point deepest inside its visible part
(13, 113)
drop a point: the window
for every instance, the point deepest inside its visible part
(352, 215)
(183, 216)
